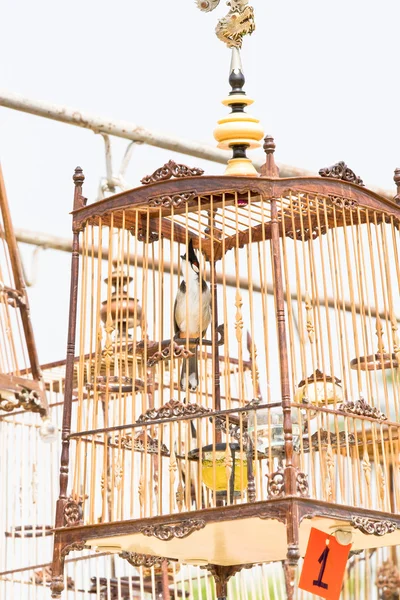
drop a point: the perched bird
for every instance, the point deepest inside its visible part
(193, 296)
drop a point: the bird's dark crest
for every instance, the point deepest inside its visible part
(192, 254)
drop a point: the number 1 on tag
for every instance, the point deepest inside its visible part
(322, 559)
(324, 565)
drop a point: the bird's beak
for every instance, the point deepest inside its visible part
(183, 256)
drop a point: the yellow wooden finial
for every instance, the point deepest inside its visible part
(239, 130)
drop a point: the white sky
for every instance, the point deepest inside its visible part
(325, 77)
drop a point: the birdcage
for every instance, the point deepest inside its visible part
(288, 293)
(17, 343)
(238, 373)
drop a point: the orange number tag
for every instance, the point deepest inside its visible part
(324, 565)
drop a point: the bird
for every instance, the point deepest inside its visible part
(192, 297)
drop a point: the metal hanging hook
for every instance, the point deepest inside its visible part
(31, 281)
(110, 182)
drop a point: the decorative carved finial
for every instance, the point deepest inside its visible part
(396, 179)
(232, 28)
(341, 171)
(269, 144)
(269, 169)
(78, 176)
(238, 131)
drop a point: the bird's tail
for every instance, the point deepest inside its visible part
(190, 373)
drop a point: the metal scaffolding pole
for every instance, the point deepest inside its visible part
(45, 241)
(136, 133)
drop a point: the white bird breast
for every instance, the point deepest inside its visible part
(188, 305)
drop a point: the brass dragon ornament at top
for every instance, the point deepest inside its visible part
(236, 24)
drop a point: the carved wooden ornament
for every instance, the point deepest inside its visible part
(169, 170)
(168, 532)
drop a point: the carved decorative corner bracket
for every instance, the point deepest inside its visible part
(29, 400)
(167, 532)
(373, 526)
(340, 202)
(307, 233)
(276, 484)
(148, 236)
(341, 171)
(233, 430)
(173, 200)
(361, 408)
(74, 547)
(169, 170)
(322, 438)
(57, 580)
(171, 409)
(143, 442)
(302, 489)
(269, 516)
(143, 560)
(73, 512)
(178, 351)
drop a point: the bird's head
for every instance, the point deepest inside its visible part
(192, 258)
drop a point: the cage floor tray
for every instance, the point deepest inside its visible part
(236, 538)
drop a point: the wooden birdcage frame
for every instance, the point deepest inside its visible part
(17, 338)
(285, 506)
